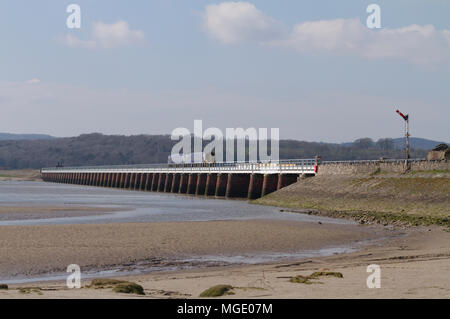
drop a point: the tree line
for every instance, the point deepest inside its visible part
(98, 149)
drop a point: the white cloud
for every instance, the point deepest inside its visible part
(232, 22)
(33, 81)
(116, 34)
(107, 36)
(326, 35)
(418, 44)
(74, 42)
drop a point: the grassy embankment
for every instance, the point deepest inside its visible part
(415, 198)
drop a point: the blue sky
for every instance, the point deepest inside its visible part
(151, 66)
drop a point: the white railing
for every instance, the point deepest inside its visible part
(385, 160)
(283, 166)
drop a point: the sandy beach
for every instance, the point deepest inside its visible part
(413, 266)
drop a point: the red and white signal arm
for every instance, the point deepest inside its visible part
(405, 117)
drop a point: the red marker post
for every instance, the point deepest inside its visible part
(406, 118)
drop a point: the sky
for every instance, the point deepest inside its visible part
(313, 69)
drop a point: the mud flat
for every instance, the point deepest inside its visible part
(413, 266)
(40, 250)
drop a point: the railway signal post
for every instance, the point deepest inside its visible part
(406, 118)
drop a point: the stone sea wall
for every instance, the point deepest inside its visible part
(351, 168)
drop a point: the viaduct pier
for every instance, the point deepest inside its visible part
(231, 180)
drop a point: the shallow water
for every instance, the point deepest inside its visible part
(134, 206)
(140, 268)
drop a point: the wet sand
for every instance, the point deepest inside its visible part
(42, 212)
(414, 266)
(33, 250)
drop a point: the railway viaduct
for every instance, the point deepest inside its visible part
(239, 180)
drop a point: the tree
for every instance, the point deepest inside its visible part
(385, 144)
(363, 143)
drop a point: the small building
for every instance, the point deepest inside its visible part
(438, 153)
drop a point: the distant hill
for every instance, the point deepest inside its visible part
(16, 137)
(99, 149)
(414, 142)
(417, 142)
